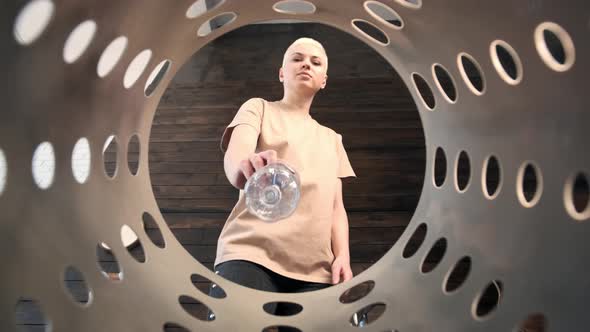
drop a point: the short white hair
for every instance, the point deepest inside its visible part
(305, 40)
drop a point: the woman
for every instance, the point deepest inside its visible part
(308, 250)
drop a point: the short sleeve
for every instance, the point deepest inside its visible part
(250, 113)
(344, 167)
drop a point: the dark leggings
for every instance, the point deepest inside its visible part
(256, 276)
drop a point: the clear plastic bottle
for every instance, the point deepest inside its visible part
(272, 193)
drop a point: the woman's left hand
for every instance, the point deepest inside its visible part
(341, 270)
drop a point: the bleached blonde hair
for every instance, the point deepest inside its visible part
(305, 40)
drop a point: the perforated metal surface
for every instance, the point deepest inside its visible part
(537, 251)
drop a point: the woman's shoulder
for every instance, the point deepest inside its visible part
(327, 131)
(256, 104)
(255, 101)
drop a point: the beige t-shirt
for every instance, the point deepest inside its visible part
(299, 246)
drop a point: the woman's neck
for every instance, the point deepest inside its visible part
(293, 102)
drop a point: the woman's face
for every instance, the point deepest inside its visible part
(304, 68)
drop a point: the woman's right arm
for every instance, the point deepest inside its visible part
(241, 160)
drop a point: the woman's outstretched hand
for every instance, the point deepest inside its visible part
(256, 161)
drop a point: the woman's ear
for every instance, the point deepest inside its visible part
(281, 76)
(325, 82)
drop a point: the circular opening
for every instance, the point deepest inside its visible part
(577, 197)
(462, 171)
(357, 292)
(109, 156)
(133, 154)
(276, 328)
(536, 322)
(294, 7)
(445, 83)
(424, 90)
(384, 14)
(207, 287)
(506, 61)
(129, 238)
(489, 299)
(111, 56)
(457, 276)
(153, 231)
(440, 167)
(81, 160)
(173, 327)
(555, 46)
(131, 242)
(32, 21)
(78, 41)
(136, 68)
(529, 184)
(491, 177)
(200, 7)
(44, 165)
(282, 308)
(367, 315)
(371, 31)
(3, 171)
(156, 77)
(415, 241)
(434, 256)
(196, 308)
(216, 23)
(76, 286)
(108, 263)
(414, 4)
(29, 316)
(191, 188)
(471, 73)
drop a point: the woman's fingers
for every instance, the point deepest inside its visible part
(256, 161)
(246, 168)
(348, 275)
(336, 271)
(270, 156)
